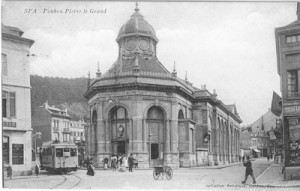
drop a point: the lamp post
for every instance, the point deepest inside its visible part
(39, 134)
(149, 148)
(207, 139)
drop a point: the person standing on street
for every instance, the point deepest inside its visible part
(105, 163)
(130, 162)
(249, 170)
(9, 172)
(37, 170)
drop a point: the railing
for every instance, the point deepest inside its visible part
(66, 130)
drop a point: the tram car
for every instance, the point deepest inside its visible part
(59, 157)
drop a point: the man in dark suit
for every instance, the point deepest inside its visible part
(130, 162)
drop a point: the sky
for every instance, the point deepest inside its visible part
(228, 46)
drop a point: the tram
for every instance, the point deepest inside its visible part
(59, 157)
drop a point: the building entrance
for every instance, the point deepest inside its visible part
(154, 151)
(121, 147)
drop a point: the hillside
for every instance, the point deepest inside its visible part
(60, 92)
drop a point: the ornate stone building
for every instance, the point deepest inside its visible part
(139, 107)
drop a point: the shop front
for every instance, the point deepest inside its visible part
(292, 141)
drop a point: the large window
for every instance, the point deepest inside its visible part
(155, 122)
(73, 152)
(17, 154)
(59, 152)
(8, 104)
(292, 81)
(5, 150)
(66, 137)
(4, 64)
(55, 123)
(56, 136)
(293, 38)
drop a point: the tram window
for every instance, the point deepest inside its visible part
(73, 152)
(59, 152)
(66, 150)
(49, 151)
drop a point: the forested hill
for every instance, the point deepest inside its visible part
(60, 92)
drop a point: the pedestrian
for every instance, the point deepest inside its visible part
(114, 162)
(90, 168)
(130, 162)
(80, 163)
(37, 170)
(268, 157)
(87, 161)
(105, 160)
(125, 161)
(9, 172)
(119, 161)
(249, 170)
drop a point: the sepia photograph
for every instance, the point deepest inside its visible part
(150, 95)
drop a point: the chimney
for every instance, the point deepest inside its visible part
(46, 104)
(298, 10)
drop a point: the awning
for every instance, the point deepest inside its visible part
(256, 150)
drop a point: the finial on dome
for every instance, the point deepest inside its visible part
(98, 73)
(136, 7)
(174, 73)
(186, 79)
(89, 80)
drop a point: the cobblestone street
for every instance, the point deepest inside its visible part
(184, 178)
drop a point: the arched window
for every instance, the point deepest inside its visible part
(94, 130)
(155, 121)
(180, 114)
(155, 113)
(119, 124)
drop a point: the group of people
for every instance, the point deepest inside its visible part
(119, 162)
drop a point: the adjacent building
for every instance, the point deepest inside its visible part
(245, 141)
(261, 134)
(16, 103)
(56, 125)
(77, 131)
(288, 65)
(139, 107)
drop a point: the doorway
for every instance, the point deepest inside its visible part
(121, 147)
(154, 151)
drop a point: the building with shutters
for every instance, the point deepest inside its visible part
(16, 103)
(139, 107)
(288, 67)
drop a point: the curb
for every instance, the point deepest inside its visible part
(216, 167)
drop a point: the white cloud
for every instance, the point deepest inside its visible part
(72, 56)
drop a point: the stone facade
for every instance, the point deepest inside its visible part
(139, 107)
(16, 107)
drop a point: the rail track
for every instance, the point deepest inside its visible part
(69, 181)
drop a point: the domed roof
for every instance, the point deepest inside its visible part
(137, 25)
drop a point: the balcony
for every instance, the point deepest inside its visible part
(66, 130)
(55, 129)
(293, 95)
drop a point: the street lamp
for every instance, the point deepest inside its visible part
(36, 134)
(150, 148)
(207, 139)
